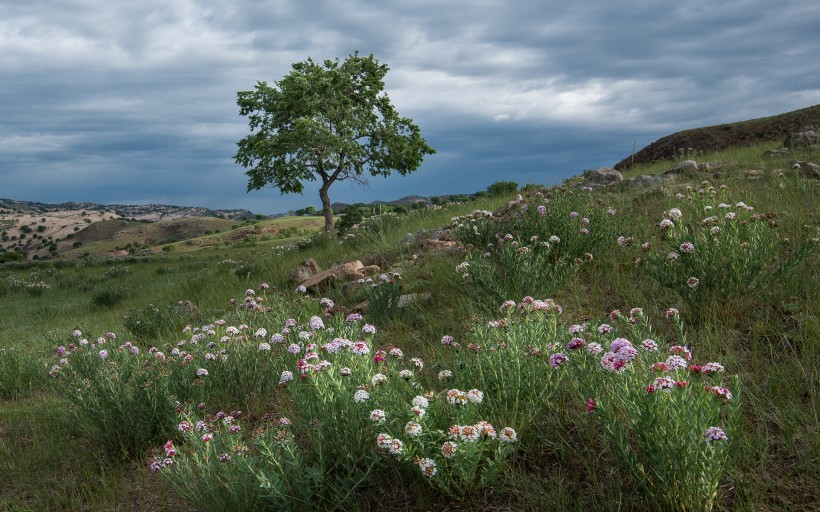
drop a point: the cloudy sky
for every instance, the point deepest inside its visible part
(135, 102)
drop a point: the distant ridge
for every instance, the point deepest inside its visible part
(722, 136)
(152, 212)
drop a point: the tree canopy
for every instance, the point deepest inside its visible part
(328, 122)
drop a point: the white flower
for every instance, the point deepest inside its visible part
(361, 396)
(428, 467)
(378, 379)
(202, 372)
(420, 401)
(406, 374)
(412, 429)
(285, 377)
(507, 435)
(475, 396)
(377, 415)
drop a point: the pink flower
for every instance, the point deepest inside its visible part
(591, 405)
(715, 434)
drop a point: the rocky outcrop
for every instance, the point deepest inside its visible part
(350, 271)
(686, 168)
(304, 271)
(806, 137)
(807, 169)
(601, 177)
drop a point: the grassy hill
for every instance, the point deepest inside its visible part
(590, 434)
(723, 136)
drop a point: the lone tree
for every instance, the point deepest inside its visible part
(332, 122)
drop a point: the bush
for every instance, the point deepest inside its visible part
(108, 297)
(717, 253)
(502, 187)
(535, 246)
(154, 321)
(120, 397)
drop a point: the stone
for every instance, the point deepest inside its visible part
(304, 270)
(601, 177)
(686, 167)
(186, 308)
(350, 271)
(650, 180)
(807, 136)
(752, 174)
(435, 245)
(716, 166)
(807, 169)
(410, 298)
(776, 152)
(371, 270)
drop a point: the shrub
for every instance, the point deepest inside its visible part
(154, 321)
(535, 246)
(669, 422)
(108, 297)
(717, 253)
(383, 298)
(120, 398)
(502, 187)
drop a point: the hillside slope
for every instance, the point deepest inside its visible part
(722, 136)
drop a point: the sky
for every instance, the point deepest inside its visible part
(120, 102)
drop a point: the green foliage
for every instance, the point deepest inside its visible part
(108, 297)
(383, 298)
(19, 372)
(509, 361)
(154, 321)
(659, 417)
(119, 397)
(499, 188)
(329, 121)
(716, 253)
(535, 247)
(9, 256)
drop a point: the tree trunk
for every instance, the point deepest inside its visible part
(326, 210)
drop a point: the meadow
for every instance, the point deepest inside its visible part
(615, 348)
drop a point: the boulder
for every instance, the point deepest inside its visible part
(650, 180)
(371, 270)
(304, 270)
(601, 177)
(344, 272)
(686, 167)
(186, 309)
(776, 152)
(806, 137)
(807, 169)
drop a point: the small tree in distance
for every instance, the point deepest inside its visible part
(331, 122)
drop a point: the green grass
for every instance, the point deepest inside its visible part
(770, 341)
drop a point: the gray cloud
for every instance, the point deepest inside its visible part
(135, 102)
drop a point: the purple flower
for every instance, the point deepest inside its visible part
(715, 434)
(102, 354)
(558, 359)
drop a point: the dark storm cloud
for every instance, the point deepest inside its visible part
(135, 102)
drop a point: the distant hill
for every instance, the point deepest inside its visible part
(710, 138)
(152, 212)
